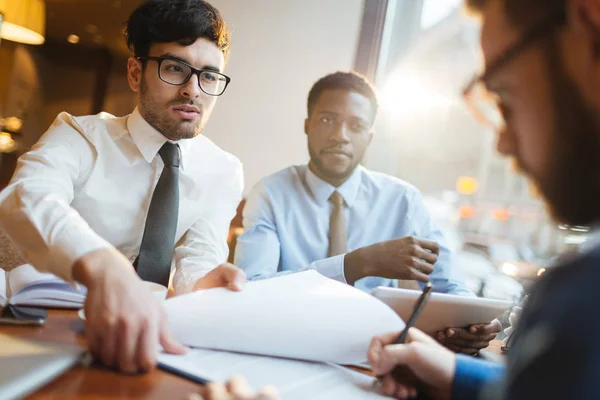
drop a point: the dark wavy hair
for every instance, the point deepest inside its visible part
(180, 21)
(350, 81)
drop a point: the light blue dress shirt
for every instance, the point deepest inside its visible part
(286, 222)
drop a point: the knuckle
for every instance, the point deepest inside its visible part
(108, 320)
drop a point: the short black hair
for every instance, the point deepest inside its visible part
(351, 81)
(180, 21)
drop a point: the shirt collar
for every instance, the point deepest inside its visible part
(322, 190)
(149, 141)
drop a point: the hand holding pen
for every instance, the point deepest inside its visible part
(418, 365)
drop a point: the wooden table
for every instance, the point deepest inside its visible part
(96, 382)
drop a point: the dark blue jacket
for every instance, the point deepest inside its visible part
(556, 351)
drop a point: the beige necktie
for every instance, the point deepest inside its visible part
(337, 226)
(412, 285)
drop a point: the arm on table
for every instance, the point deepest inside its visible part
(124, 323)
(258, 249)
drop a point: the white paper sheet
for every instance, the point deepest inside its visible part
(301, 316)
(295, 380)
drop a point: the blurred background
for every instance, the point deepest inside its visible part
(69, 55)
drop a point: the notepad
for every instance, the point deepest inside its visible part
(302, 316)
(295, 380)
(26, 286)
(442, 310)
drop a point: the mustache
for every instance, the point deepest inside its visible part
(185, 102)
(336, 150)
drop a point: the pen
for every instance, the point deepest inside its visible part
(400, 371)
(419, 305)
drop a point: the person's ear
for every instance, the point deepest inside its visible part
(583, 18)
(306, 122)
(134, 74)
(371, 135)
(580, 48)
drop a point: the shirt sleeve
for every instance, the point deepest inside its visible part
(472, 376)
(204, 245)
(35, 210)
(258, 249)
(446, 276)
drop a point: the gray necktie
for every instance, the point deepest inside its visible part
(158, 243)
(337, 226)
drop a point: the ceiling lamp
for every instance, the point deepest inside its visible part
(24, 21)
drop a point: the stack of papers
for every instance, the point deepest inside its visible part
(288, 331)
(303, 316)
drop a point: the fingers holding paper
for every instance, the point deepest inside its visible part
(469, 340)
(429, 367)
(123, 319)
(225, 275)
(236, 389)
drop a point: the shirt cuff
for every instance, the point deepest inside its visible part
(332, 267)
(472, 375)
(184, 282)
(68, 248)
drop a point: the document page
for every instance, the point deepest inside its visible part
(301, 316)
(295, 380)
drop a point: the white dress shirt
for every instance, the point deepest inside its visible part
(87, 184)
(286, 222)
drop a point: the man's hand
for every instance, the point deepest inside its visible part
(235, 389)
(471, 340)
(429, 366)
(225, 275)
(124, 323)
(408, 258)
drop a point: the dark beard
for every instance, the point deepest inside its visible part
(572, 184)
(327, 174)
(162, 123)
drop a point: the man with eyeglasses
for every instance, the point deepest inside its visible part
(108, 201)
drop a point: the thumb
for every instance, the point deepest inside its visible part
(233, 277)
(168, 342)
(225, 275)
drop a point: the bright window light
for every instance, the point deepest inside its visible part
(436, 10)
(406, 95)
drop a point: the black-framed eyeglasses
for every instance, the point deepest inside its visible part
(484, 104)
(176, 72)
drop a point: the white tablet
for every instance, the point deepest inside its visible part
(442, 310)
